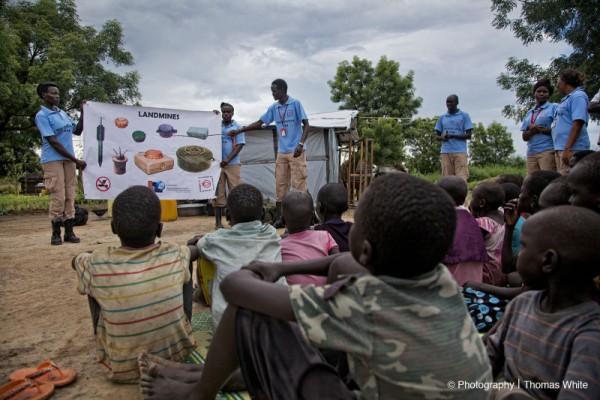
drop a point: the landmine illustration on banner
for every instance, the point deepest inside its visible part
(153, 161)
(154, 138)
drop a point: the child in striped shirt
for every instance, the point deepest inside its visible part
(135, 291)
(547, 341)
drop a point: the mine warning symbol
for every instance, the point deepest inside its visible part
(103, 184)
(206, 183)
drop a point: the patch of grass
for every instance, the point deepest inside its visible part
(12, 204)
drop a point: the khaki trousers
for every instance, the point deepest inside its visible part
(60, 181)
(289, 169)
(230, 176)
(455, 164)
(543, 161)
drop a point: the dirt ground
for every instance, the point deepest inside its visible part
(42, 317)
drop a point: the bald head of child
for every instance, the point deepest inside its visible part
(456, 187)
(136, 217)
(332, 201)
(403, 226)
(584, 181)
(297, 209)
(557, 246)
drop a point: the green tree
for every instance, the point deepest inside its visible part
(388, 143)
(378, 91)
(374, 92)
(423, 149)
(493, 145)
(43, 41)
(572, 21)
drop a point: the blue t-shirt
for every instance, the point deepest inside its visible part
(454, 124)
(543, 116)
(228, 143)
(572, 107)
(55, 123)
(287, 116)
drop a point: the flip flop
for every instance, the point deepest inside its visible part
(46, 372)
(26, 389)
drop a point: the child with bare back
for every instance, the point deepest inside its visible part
(390, 305)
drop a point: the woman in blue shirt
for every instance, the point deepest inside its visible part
(537, 131)
(58, 160)
(569, 130)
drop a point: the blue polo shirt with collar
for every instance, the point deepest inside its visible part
(543, 116)
(455, 124)
(288, 116)
(228, 143)
(55, 123)
(572, 107)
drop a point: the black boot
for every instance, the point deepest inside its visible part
(69, 234)
(278, 221)
(56, 233)
(218, 212)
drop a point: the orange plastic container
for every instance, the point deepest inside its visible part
(169, 210)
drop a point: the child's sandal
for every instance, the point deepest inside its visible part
(22, 389)
(46, 372)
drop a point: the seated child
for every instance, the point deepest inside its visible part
(527, 204)
(557, 193)
(395, 311)
(548, 340)
(584, 181)
(332, 202)
(302, 243)
(135, 291)
(247, 240)
(512, 191)
(467, 254)
(487, 198)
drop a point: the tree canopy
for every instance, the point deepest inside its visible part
(43, 41)
(491, 145)
(572, 21)
(378, 91)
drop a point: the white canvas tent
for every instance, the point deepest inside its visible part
(328, 131)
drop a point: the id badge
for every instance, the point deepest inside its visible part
(282, 131)
(553, 124)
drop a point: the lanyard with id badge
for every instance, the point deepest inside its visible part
(282, 119)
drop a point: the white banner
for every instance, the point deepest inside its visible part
(176, 153)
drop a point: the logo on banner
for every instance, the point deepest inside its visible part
(103, 184)
(206, 184)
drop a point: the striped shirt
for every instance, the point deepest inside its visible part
(550, 355)
(140, 293)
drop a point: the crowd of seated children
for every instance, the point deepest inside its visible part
(390, 305)
(247, 240)
(466, 256)
(487, 198)
(303, 243)
(136, 291)
(332, 202)
(547, 341)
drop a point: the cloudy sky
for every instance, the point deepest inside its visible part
(193, 54)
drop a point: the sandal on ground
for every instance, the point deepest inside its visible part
(46, 372)
(22, 389)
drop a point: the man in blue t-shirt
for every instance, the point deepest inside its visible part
(453, 129)
(292, 128)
